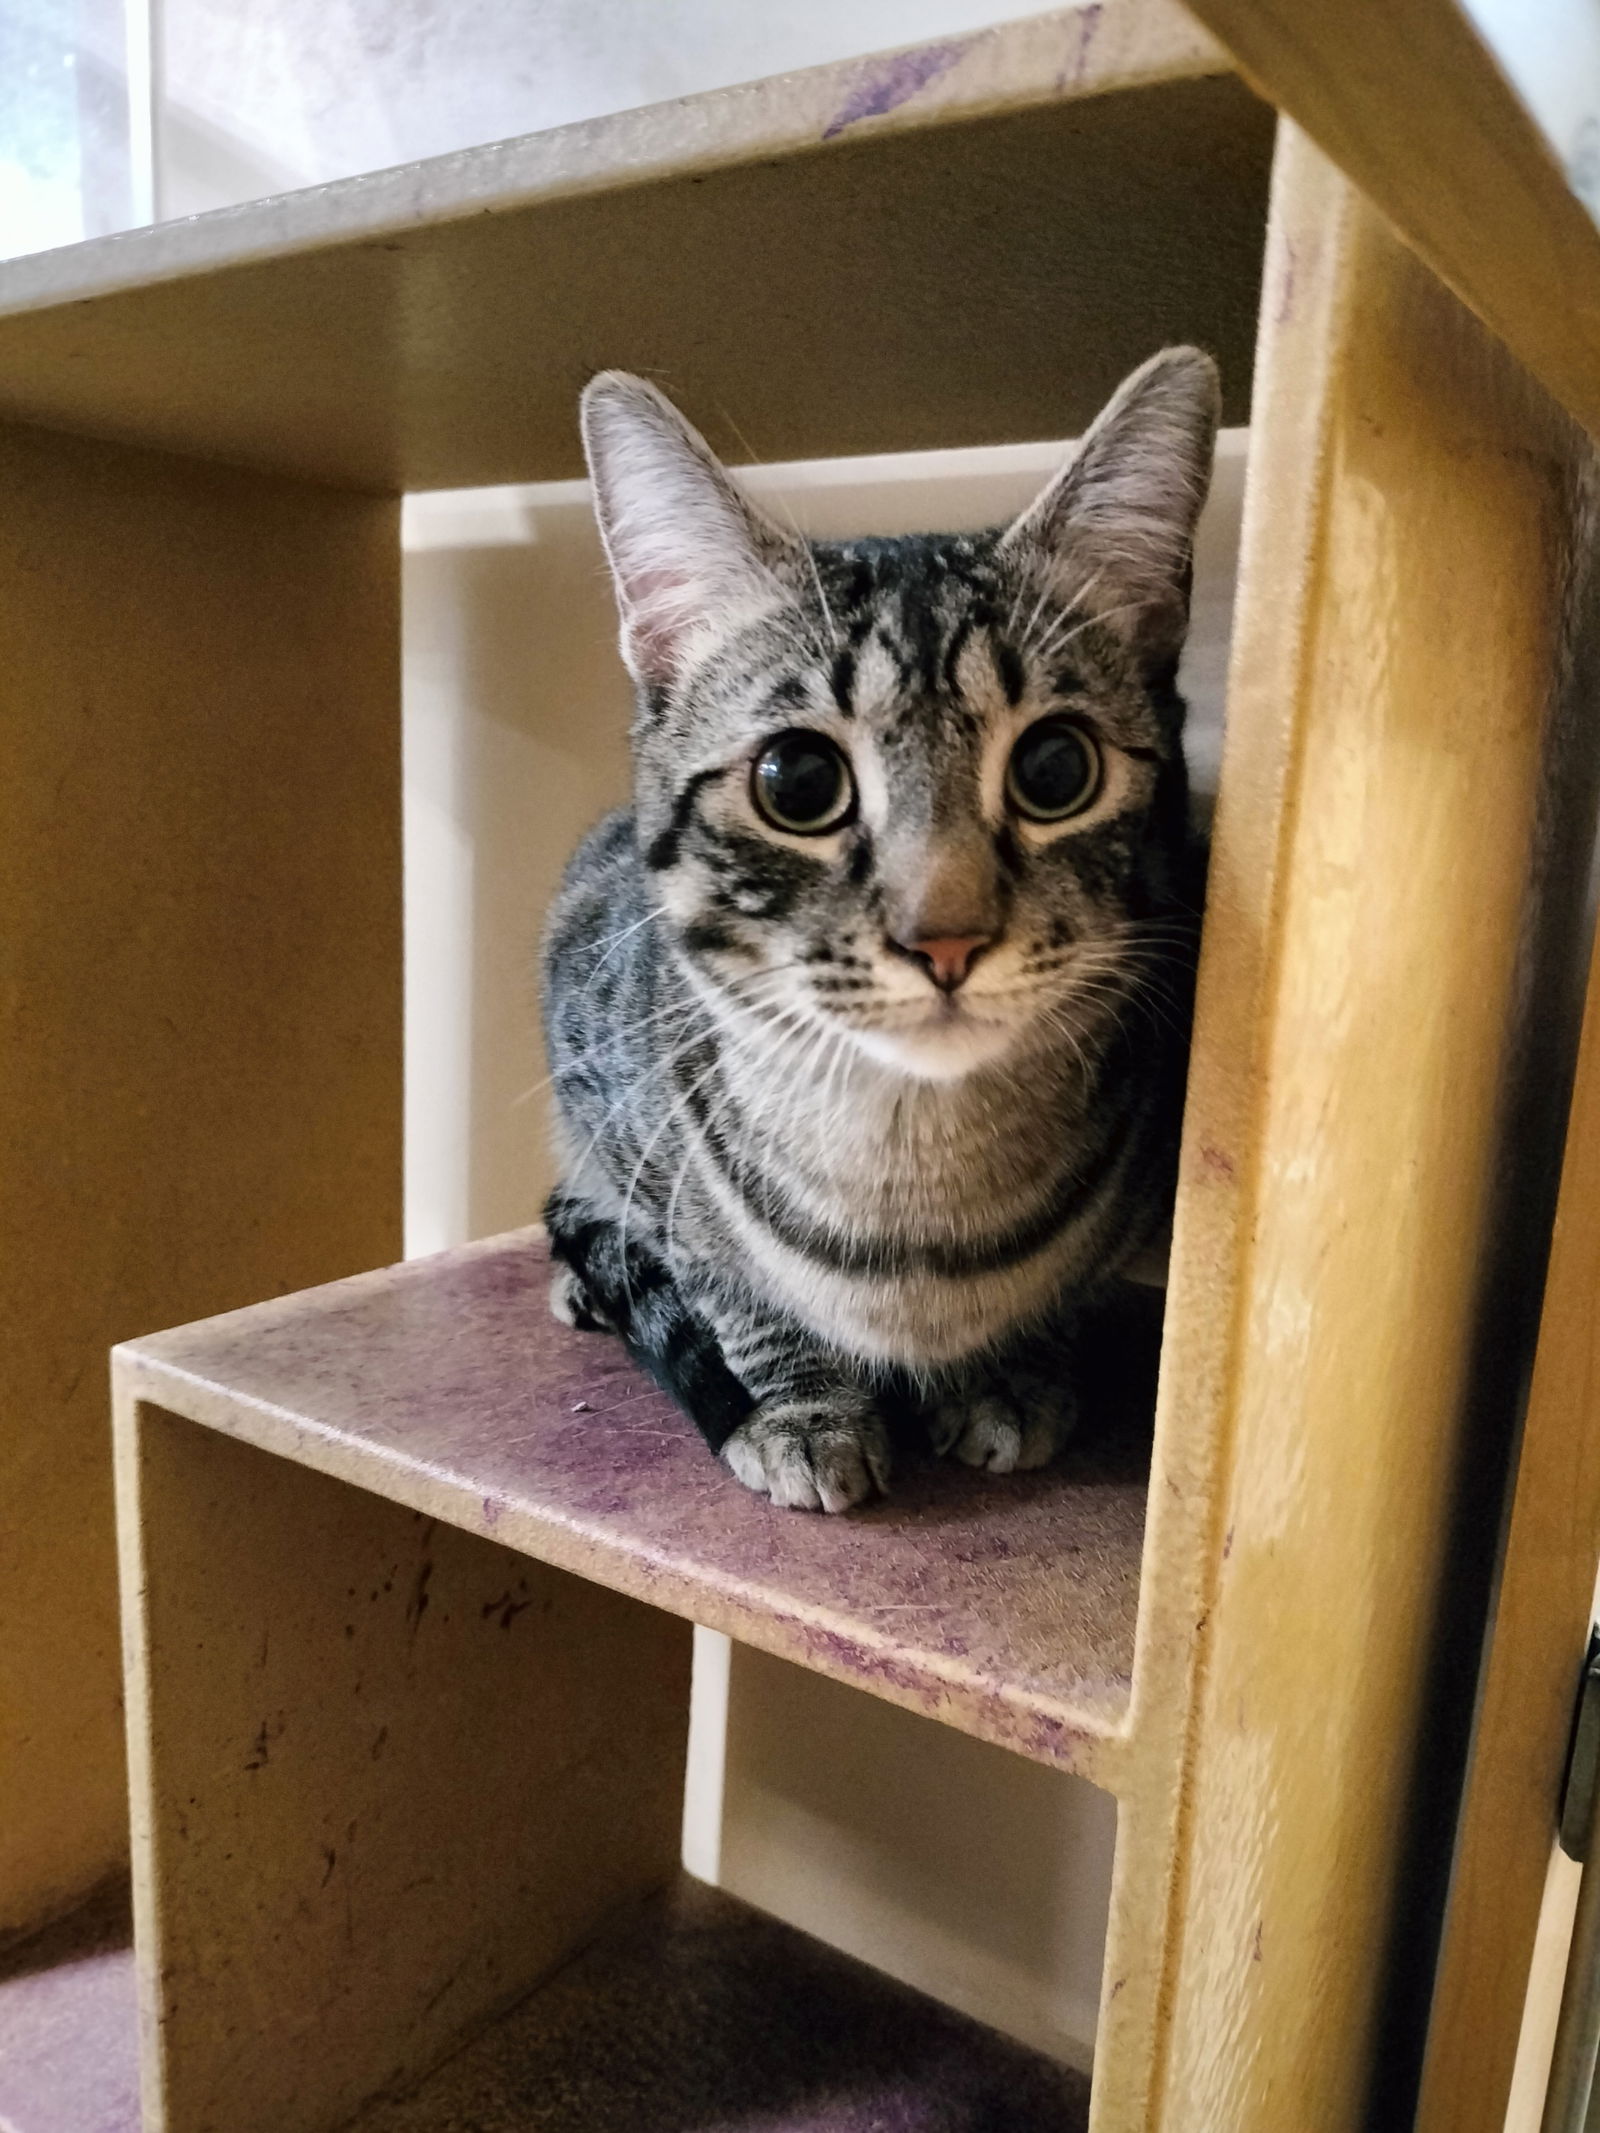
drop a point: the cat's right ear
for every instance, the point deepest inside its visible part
(688, 551)
(1113, 534)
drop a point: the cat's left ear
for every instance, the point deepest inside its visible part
(690, 554)
(1113, 533)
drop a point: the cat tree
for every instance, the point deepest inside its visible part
(407, 1572)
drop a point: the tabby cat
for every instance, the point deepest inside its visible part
(867, 1021)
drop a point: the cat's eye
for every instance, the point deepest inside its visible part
(1054, 771)
(802, 784)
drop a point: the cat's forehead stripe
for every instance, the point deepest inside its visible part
(879, 674)
(842, 680)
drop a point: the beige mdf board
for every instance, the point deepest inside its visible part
(1249, 1681)
(385, 1774)
(200, 978)
(964, 244)
(1410, 102)
(1396, 675)
(405, 1567)
(1539, 1635)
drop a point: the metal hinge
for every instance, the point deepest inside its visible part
(1582, 1780)
(1569, 2102)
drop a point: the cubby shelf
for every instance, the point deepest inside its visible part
(1003, 1606)
(405, 1571)
(429, 326)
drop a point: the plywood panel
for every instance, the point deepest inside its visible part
(385, 1774)
(199, 1009)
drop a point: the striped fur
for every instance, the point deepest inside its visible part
(811, 1186)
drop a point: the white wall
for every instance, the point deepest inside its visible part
(952, 1864)
(516, 715)
(1552, 55)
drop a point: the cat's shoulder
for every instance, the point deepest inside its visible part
(604, 882)
(607, 855)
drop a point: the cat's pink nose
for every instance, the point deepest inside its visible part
(947, 958)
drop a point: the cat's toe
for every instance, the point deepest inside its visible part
(1004, 1433)
(808, 1458)
(571, 1302)
(946, 1423)
(1049, 1410)
(990, 1435)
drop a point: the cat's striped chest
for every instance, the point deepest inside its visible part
(914, 1241)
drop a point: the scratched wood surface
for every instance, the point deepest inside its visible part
(385, 1775)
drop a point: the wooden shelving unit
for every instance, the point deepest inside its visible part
(426, 1550)
(406, 1571)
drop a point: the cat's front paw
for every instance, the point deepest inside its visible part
(571, 1302)
(808, 1456)
(1005, 1429)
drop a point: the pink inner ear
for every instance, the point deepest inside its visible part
(658, 607)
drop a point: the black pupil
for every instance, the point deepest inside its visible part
(801, 781)
(1051, 769)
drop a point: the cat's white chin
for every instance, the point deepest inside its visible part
(943, 1048)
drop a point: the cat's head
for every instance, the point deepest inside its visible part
(927, 792)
